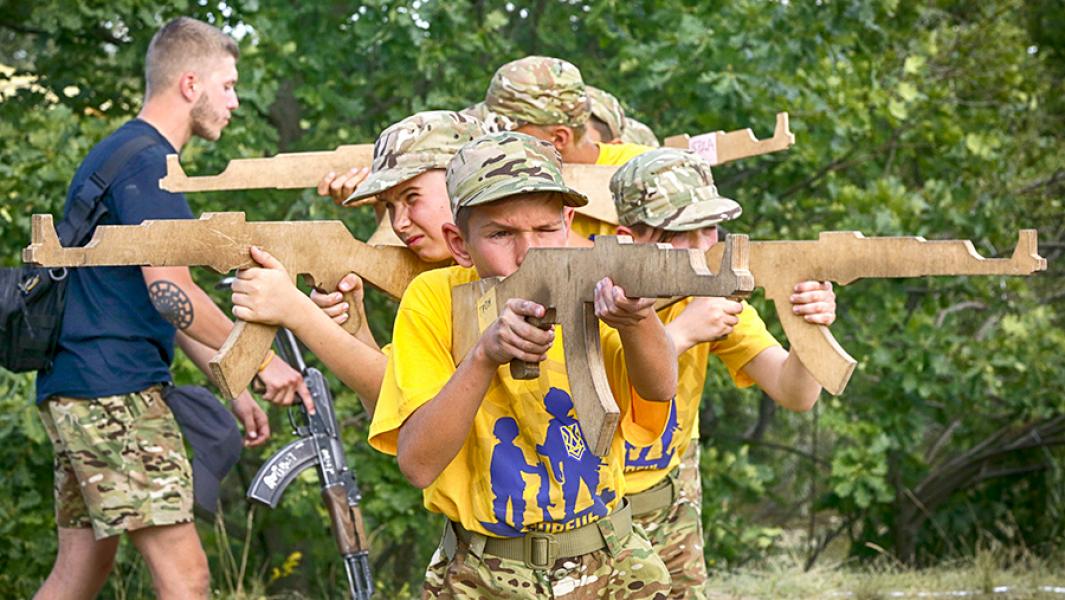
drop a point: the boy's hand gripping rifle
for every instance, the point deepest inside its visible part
(319, 445)
(846, 256)
(323, 251)
(563, 279)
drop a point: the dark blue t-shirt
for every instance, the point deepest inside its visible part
(113, 341)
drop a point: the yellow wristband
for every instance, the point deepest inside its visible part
(269, 357)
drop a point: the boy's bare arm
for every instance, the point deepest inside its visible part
(433, 434)
(650, 355)
(359, 365)
(780, 373)
(267, 295)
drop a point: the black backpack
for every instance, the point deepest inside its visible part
(32, 298)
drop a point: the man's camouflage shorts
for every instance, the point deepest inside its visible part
(120, 462)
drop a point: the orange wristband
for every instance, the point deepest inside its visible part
(269, 357)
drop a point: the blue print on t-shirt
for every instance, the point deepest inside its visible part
(571, 463)
(569, 457)
(508, 486)
(641, 461)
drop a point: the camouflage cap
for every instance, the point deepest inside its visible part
(538, 90)
(607, 108)
(504, 164)
(669, 189)
(636, 132)
(419, 143)
(493, 122)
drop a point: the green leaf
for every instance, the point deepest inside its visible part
(897, 109)
(907, 91)
(913, 64)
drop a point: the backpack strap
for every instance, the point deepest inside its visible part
(88, 208)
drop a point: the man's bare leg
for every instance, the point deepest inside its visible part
(81, 565)
(175, 559)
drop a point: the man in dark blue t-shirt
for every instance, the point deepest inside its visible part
(120, 458)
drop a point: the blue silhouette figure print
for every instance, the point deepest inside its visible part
(641, 461)
(569, 457)
(508, 486)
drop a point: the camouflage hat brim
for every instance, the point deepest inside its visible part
(421, 142)
(382, 181)
(706, 209)
(506, 189)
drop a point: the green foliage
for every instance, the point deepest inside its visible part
(26, 507)
(938, 118)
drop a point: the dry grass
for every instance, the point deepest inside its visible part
(990, 574)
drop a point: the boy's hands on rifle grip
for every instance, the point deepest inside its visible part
(253, 420)
(815, 302)
(339, 187)
(705, 319)
(512, 337)
(333, 303)
(617, 310)
(268, 296)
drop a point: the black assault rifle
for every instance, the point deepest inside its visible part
(319, 446)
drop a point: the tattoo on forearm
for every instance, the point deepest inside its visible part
(172, 303)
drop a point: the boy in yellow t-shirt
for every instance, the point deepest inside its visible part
(668, 195)
(408, 177)
(532, 512)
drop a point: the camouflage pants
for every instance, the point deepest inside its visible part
(634, 572)
(120, 462)
(676, 531)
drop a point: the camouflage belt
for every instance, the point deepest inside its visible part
(539, 550)
(665, 492)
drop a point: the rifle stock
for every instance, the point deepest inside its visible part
(321, 251)
(565, 278)
(843, 257)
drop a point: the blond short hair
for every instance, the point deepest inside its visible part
(181, 45)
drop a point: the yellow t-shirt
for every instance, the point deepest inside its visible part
(609, 155)
(619, 154)
(646, 465)
(525, 465)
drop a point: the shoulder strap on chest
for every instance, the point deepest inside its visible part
(87, 208)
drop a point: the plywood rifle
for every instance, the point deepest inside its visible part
(322, 251)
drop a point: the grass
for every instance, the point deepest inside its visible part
(983, 576)
(992, 573)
